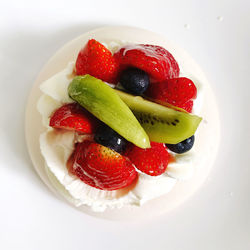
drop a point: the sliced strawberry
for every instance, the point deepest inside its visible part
(154, 60)
(74, 117)
(152, 161)
(188, 106)
(177, 91)
(95, 59)
(101, 167)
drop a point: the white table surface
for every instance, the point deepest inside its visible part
(217, 216)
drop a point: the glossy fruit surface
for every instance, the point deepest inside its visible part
(182, 147)
(134, 80)
(177, 91)
(95, 59)
(101, 167)
(106, 136)
(104, 103)
(155, 60)
(162, 124)
(74, 117)
(152, 161)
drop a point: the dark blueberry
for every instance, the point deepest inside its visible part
(183, 146)
(134, 80)
(107, 137)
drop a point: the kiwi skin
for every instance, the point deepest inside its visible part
(104, 103)
(162, 124)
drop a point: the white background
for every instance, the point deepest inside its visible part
(217, 216)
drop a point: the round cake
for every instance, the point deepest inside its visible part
(51, 148)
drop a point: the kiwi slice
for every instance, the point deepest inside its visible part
(161, 123)
(103, 102)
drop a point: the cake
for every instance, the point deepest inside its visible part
(57, 145)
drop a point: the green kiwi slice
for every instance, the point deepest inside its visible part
(162, 124)
(104, 103)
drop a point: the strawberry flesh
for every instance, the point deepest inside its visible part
(95, 59)
(152, 161)
(101, 167)
(177, 91)
(155, 60)
(74, 117)
(188, 106)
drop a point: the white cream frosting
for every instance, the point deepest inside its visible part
(56, 147)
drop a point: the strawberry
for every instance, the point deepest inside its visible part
(154, 60)
(74, 117)
(152, 161)
(176, 91)
(188, 106)
(95, 59)
(101, 167)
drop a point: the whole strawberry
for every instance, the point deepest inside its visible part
(152, 161)
(177, 91)
(101, 167)
(154, 60)
(74, 117)
(96, 60)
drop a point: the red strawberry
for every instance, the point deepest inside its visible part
(95, 59)
(152, 161)
(101, 167)
(74, 117)
(154, 60)
(177, 91)
(188, 106)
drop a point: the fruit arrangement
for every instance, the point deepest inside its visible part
(137, 126)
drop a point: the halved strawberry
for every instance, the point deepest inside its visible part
(152, 161)
(101, 167)
(155, 60)
(177, 91)
(74, 117)
(95, 59)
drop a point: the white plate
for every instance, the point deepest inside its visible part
(210, 124)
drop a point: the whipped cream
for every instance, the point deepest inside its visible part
(57, 146)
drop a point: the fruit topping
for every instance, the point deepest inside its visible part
(188, 106)
(162, 124)
(95, 59)
(127, 123)
(101, 167)
(182, 147)
(103, 102)
(74, 117)
(152, 161)
(177, 91)
(154, 60)
(134, 80)
(106, 136)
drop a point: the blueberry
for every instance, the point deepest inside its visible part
(183, 146)
(134, 80)
(107, 137)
